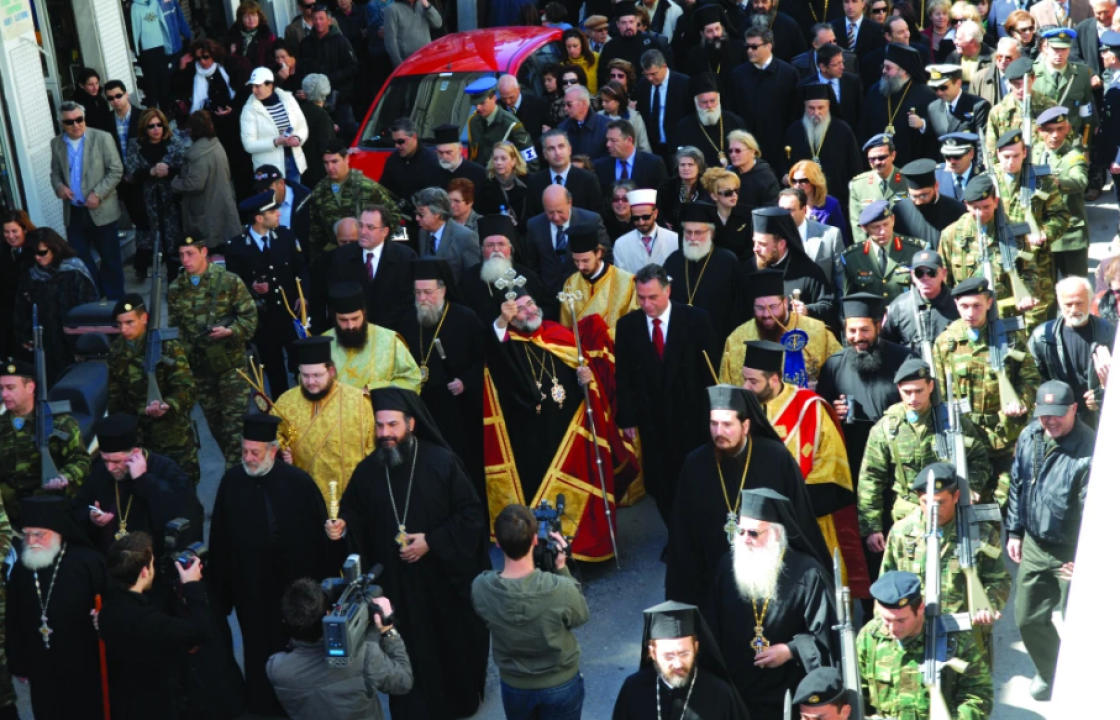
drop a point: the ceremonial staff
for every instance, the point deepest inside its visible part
(570, 299)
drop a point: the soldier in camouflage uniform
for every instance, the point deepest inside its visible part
(165, 427)
(1069, 167)
(961, 248)
(890, 650)
(963, 351)
(882, 182)
(900, 444)
(19, 456)
(490, 124)
(1008, 113)
(12, 457)
(216, 317)
(906, 550)
(879, 265)
(342, 193)
(1067, 83)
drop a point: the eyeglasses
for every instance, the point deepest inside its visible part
(1025, 29)
(727, 193)
(566, 82)
(642, 218)
(752, 534)
(205, 56)
(400, 141)
(42, 253)
(754, 46)
(618, 76)
(618, 199)
(734, 151)
(801, 181)
(153, 125)
(879, 11)
(118, 96)
(74, 121)
(924, 273)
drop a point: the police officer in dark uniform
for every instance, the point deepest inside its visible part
(268, 259)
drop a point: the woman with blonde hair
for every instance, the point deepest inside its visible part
(733, 231)
(824, 208)
(757, 182)
(505, 190)
(937, 29)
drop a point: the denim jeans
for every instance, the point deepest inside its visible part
(84, 237)
(563, 702)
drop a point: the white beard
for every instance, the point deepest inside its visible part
(428, 315)
(263, 469)
(708, 117)
(696, 253)
(37, 559)
(1076, 319)
(757, 570)
(494, 267)
(815, 129)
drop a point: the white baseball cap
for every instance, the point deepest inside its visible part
(261, 76)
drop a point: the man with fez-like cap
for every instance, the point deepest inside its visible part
(681, 674)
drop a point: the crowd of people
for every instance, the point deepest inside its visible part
(814, 277)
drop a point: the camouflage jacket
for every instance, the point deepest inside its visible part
(328, 207)
(1048, 207)
(1069, 167)
(975, 380)
(128, 390)
(220, 298)
(891, 674)
(896, 451)
(1008, 113)
(906, 550)
(19, 459)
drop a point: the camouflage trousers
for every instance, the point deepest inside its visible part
(224, 400)
(185, 456)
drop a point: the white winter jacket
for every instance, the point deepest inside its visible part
(258, 131)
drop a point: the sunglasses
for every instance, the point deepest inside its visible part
(754, 46)
(74, 121)
(752, 534)
(727, 193)
(878, 158)
(878, 11)
(154, 125)
(642, 218)
(924, 273)
(1026, 29)
(118, 96)
(957, 21)
(204, 57)
(565, 83)
(42, 253)
(400, 141)
(801, 181)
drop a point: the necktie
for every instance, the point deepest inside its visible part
(435, 245)
(835, 88)
(369, 265)
(624, 173)
(885, 188)
(648, 242)
(561, 241)
(655, 112)
(960, 183)
(558, 180)
(851, 35)
(882, 255)
(658, 339)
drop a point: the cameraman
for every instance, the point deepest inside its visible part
(531, 614)
(308, 687)
(148, 649)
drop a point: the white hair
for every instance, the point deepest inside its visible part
(969, 30)
(1073, 284)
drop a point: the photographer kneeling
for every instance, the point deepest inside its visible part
(147, 649)
(310, 687)
(530, 615)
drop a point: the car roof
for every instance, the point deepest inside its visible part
(492, 49)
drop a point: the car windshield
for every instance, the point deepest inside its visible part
(430, 100)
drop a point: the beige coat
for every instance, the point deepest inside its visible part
(101, 172)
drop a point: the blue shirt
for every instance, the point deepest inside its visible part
(122, 131)
(75, 151)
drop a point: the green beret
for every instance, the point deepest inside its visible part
(980, 187)
(1012, 136)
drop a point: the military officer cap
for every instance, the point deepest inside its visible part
(313, 350)
(764, 355)
(1053, 398)
(1059, 37)
(879, 140)
(863, 305)
(944, 478)
(481, 89)
(708, 14)
(766, 283)
(815, 91)
(347, 297)
(897, 589)
(958, 143)
(912, 369)
(822, 686)
(699, 212)
(642, 196)
(942, 73)
(971, 286)
(1110, 39)
(1012, 136)
(907, 58)
(928, 259)
(728, 397)
(705, 82)
(116, 433)
(260, 203)
(18, 368)
(429, 268)
(128, 303)
(1018, 68)
(920, 173)
(259, 427)
(875, 211)
(446, 133)
(671, 620)
(980, 187)
(496, 224)
(188, 241)
(583, 238)
(1056, 114)
(764, 504)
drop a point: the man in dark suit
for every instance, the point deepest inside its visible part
(663, 100)
(661, 365)
(856, 32)
(268, 259)
(546, 244)
(821, 34)
(382, 268)
(531, 110)
(130, 192)
(585, 128)
(629, 42)
(440, 236)
(582, 184)
(1087, 49)
(847, 90)
(770, 77)
(625, 162)
(954, 110)
(789, 38)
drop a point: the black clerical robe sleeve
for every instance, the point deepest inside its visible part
(814, 647)
(454, 540)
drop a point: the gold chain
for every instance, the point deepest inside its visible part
(742, 480)
(891, 115)
(432, 344)
(717, 148)
(688, 281)
(824, 12)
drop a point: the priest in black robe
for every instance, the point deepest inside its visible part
(859, 380)
(50, 641)
(829, 141)
(410, 508)
(477, 285)
(446, 341)
(745, 452)
(771, 609)
(900, 93)
(925, 212)
(266, 531)
(704, 275)
(681, 674)
(707, 128)
(777, 247)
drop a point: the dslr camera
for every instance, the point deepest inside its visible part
(548, 521)
(176, 548)
(346, 622)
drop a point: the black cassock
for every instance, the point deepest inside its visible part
(457, 416)
(800, 614)
(909, 144)
(486, 300)
(65, 684)
(447, 643)
(265, 533)
(697, 540)
(710, 139)
(799, 273)
(712, 284)
(925, 222)
(534, 435)
(711, 698)
(839, 156)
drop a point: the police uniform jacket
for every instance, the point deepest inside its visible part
(279, 266)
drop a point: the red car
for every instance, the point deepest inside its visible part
(429, 85)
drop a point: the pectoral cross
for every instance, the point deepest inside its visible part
(46, 631)
(759, 641)
(731, 527)
(510, 281)
(402, 537)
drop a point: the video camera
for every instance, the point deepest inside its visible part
(345, 624)
(176, 549)
(548, 521)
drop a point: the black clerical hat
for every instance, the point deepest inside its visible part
(766, 283)
(259, 427)
(431, 268)
(815, 91)
(116, 433)
(408, 402)
(764, 355)
(944, 478)
(821, 686)
(908, 59)
(698, 212)
(624, 8)
(706, 15)
(347, 297)
(727, 397)
(583, 238)
(864, 305)
(671, 619)
(496, 224)
(920, 173)
(128, 303)
(313, 350)
(389, 398)
(446, 133)
(772, 220)
(766, 505)
(50, 512)
(703, 83)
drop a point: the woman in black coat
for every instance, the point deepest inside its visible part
(758, 186)
(152, 160)
(505, 190)
(734, 230)
(16, 256)
(250, 39)
(681, 189)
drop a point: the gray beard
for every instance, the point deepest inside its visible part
(675, 682)
(528, 326)
(1078, 320)
(708, 117)
(39, 559)
(762, 21)
(695, 253)
(427, 315)
(391, 455)
(815, 129)
(449, 166)
(263, 469)
(757, 571)
(494, 267)
(889, 86)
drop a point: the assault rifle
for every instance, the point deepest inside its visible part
(153, 349)
(848, 662)
(1006, 234)
(44, 409)
(940, 419)
(999, 348)
(1030, 171)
